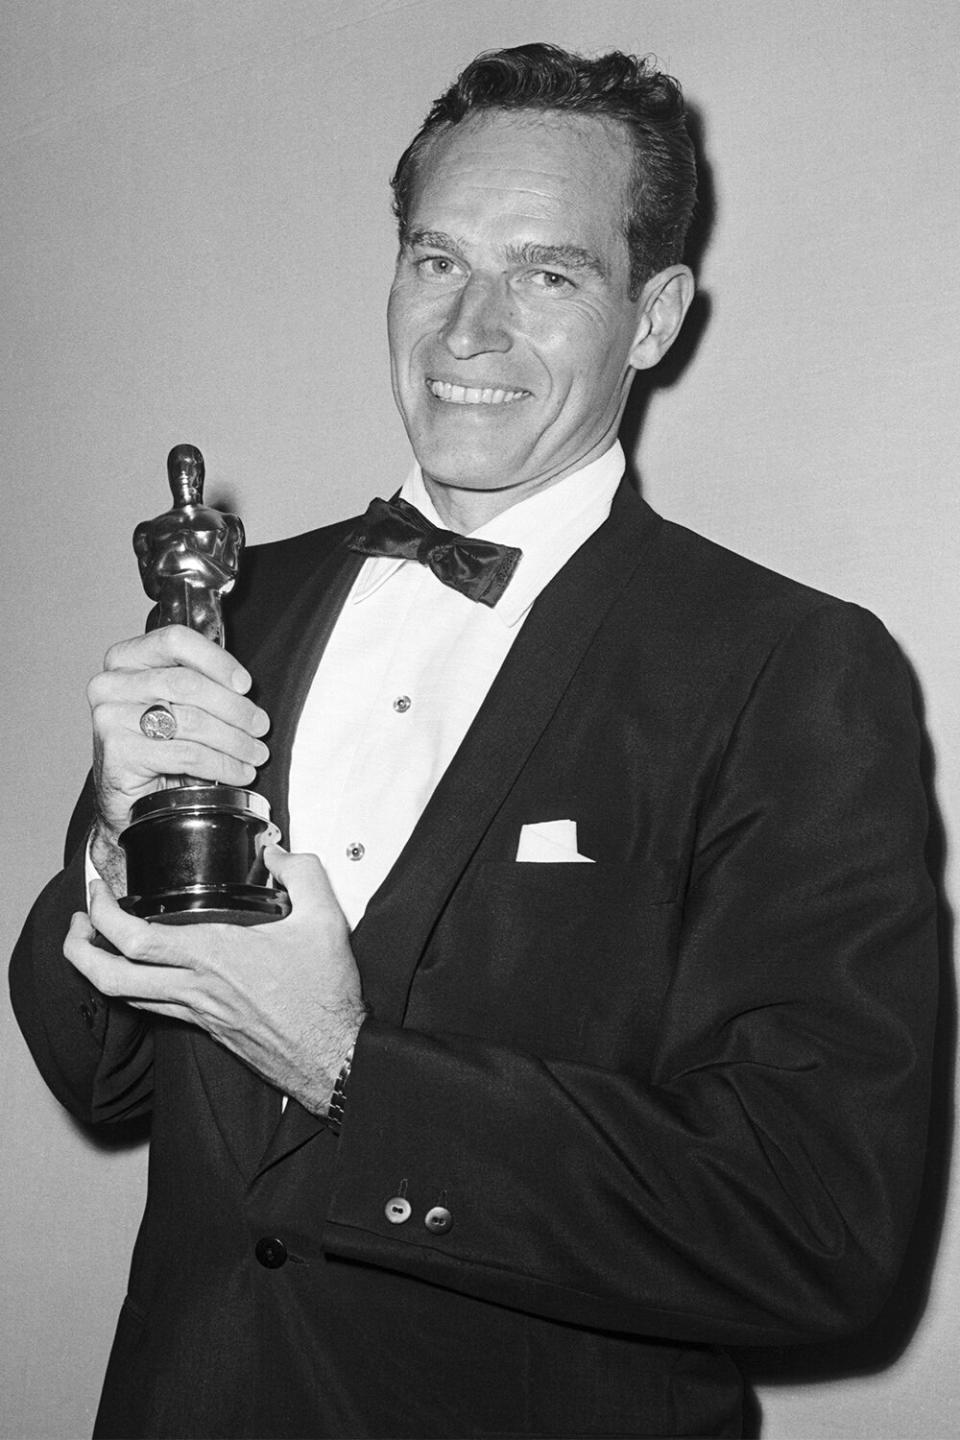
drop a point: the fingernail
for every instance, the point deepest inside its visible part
(241, 680)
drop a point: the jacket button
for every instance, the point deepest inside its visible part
(438, 1220)
(397, 1210)
(271, 1252)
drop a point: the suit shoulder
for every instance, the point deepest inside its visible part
(705, 576)
(722, 609)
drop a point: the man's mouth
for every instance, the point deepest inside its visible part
(474, 395)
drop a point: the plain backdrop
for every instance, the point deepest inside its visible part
(197, 246)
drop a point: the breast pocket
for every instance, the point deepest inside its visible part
(567, 959)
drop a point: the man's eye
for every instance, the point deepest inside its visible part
(437, 267)
(551, 280)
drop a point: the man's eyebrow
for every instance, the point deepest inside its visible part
(566, 257)
(436, 239)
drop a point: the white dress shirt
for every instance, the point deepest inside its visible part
(405, 671)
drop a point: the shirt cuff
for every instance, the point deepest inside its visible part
(90, 871)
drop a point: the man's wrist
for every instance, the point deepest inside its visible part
(108, 859)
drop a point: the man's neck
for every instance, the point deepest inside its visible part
(465, 510)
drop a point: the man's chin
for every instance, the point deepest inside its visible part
(466, 468)
(476, 447)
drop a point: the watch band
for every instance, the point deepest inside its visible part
(338, 1100)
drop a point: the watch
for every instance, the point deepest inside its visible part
(338, 1100)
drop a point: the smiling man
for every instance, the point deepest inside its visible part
(515, 327)
(596, 1043)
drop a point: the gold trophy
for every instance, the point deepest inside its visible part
(195, 850)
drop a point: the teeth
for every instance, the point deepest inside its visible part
(465, 395)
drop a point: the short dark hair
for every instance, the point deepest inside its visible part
(615, 86)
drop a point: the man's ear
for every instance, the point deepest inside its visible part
(663, 303)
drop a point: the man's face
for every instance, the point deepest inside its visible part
(510, 321)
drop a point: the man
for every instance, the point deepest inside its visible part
(597, 1038)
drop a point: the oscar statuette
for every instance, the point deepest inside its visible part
(194, 850)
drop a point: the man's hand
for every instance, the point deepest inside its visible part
(284, 997)
(218, 728)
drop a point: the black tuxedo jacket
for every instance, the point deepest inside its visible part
(673, 1101)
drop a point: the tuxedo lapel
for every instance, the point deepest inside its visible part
(285, 663)
(391, 937)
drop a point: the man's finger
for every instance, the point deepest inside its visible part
(179, 645)
(303, 876)
(115, 975)
(196, 733)
(136, 939)
(81, 926)
(174, 684)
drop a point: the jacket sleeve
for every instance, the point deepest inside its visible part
(94, 1053)
(759, 1186)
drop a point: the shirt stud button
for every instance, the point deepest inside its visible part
(356, 851)
(402, 704)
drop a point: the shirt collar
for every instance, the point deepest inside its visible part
(548, 526)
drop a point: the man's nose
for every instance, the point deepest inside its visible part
(479, 319)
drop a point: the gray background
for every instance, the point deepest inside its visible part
(197, 246)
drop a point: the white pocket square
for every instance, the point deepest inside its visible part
(551, 840)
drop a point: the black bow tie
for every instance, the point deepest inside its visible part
(477, 568)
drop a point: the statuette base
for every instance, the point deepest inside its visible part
(195, 856)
